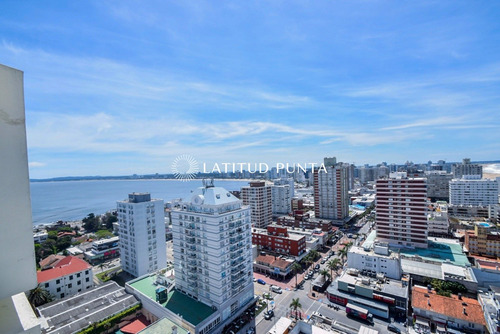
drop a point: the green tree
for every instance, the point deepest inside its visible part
(343, 253)
(109, 219)
(333, 265)
(52, 235)
(314, 255)
(91, 223)
(63, 243)
(326, 275)
(295, 305)
(296, 267)
(39, 296)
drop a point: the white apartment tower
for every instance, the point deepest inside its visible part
(258, 196)
(212, 250)
(141, 227)
(466, 168)
(472, 190)
(401, 205)
(281, 193)
(331, 191)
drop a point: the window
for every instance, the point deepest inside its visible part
(78, 275)
(70, 277)
(79, 283)
(70, 286)
(58, 290)
(58, 281)
(87, 279)
(62, 295)
(46, 285)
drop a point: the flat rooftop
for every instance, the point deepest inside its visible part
(443, 250)
(191, 310)
(391, 287)
(74, 313)
(163, 326)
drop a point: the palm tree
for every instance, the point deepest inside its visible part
(39, 296)
(296, 267)
(333, 265)
(313, 254)
(295, 305)
(325, 274)
(343, 252)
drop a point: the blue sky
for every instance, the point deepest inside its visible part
(122, 87)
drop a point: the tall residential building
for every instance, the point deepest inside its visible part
(472, 190)
(438, 185)
(466, 168)
(258, 196)
(17, 253)
(212, 250)
(331, 191)
(281, 195)
(401, 205)
(141, 222)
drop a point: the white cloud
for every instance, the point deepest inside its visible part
(36, 164)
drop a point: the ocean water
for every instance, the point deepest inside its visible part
(73, 200)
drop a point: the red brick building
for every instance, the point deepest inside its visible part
(277, 239)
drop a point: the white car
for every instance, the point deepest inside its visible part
(276, 289)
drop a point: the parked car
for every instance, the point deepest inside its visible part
(261, 281)
(316, 267)
(393, 328)
(269, 314)
(323, 261)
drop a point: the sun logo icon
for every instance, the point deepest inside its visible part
(185, 167)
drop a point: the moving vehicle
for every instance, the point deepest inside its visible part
(276, 289)
(393, 328)
(359, 312)
(269, 314)
(261, 281)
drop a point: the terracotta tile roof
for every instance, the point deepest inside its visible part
(135, 326)
(50, 261)
(450, 306)
(64, 267)
(271, 261)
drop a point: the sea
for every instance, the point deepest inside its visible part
(73, 200)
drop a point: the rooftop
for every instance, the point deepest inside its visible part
(190, 309)
(291, 234)
(439, 249)
(73, 314)
(273, 261)
(67, 266)
(466, 309)
(163, 326)
(389, 286)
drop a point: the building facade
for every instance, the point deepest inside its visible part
(212, 250)
(484, 240)
(17, 254)
(401, 205)
(141, 222)
(381, 261)
(437, 220)
(331, 191)
(281, 199)
(67, 277)
(438, 185)
(258, 196)
(277, 239)
(440, 314)
(103, 250)
(472, 190)
(466, 168)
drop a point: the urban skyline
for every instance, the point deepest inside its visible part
(112, 88)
